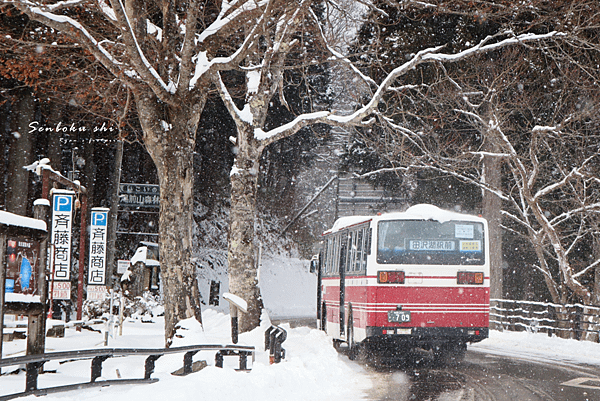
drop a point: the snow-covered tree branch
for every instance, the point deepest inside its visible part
(171, 55)
(164, 53)
(517, 123)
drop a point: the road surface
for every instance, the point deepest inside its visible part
(481, 377)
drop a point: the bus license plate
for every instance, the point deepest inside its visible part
(399, 316)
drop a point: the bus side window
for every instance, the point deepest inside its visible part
(331, 263)
(360, 250)
(352, 264)
(358, 237)
(324, 257)
(342, 256)
(330, 256)
(349, 252)
(354, 251)
(336, 255)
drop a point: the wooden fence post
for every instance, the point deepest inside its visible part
(552, 320)
(577, 323)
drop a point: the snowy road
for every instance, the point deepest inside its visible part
(483, 376)
(507, 367)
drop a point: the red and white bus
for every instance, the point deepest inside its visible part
(416, 279)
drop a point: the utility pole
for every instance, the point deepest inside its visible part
(48, 174)
(112, 215)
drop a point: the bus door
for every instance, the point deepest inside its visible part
(316, 265)
(342, 270)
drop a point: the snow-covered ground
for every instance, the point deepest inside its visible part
(312, 369)
(539, 347)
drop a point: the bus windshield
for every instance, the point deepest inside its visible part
(430, 242)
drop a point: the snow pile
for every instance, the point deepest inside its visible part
(144, 307)
(26, 298)
(538, 346)
(312, 369)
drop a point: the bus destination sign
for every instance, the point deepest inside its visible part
(431, 245)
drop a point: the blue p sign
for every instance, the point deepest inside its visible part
(63, 203)
(99, 218)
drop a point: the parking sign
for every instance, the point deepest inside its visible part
(98, 234)
(62, 219)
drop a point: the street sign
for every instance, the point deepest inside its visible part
(61, 290)
(96, 292)
(122, 266)
(62, 219)
(139, 195)
(97, 253)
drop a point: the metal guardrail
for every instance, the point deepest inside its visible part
(577, 321)
(35, 362)
(67, 325)
(274, 338)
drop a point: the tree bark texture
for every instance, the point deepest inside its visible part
(169, 136)
(243, 267)
(596, 290)
(492, 207)
(20, 153)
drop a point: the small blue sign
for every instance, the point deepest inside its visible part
(62, 203)
(99, 218)
(25, 273)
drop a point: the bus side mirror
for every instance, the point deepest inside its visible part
(314, 264)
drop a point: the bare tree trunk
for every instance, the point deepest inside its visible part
(20, 153)
(176, 224)
(492, 207)
(596, 290)
(243, 269)
(564, 265)
(136, 285)
(55, 114)
(556, 291)
(171, 146)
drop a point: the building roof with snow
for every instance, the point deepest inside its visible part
(14, 224)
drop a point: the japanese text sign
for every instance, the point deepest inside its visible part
(62, 220)
(139, 195)
(98, 234)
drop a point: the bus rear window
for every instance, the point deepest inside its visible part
(430, 242)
